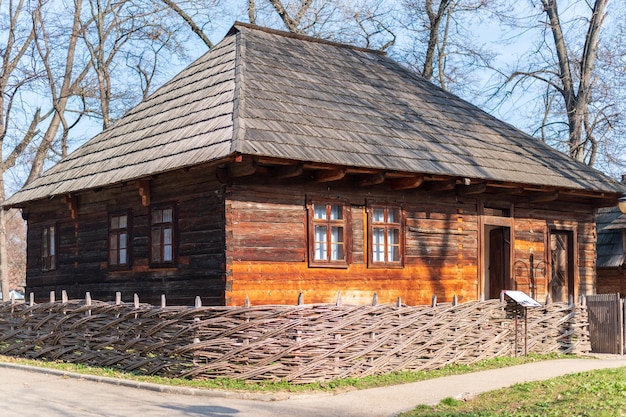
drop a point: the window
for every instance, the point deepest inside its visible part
(328, 224)
(385, 236)
(119, 251)
(162, 235)
(48, 248)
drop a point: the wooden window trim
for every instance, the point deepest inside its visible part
(400, 226)
(347, 233)
(174, 235)
(117, 232)
(49, 249)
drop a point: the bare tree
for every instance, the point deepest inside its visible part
(15, 75)
(567, 68)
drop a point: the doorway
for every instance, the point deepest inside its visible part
(497, 260)
(561, 284)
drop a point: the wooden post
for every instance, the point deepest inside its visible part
(399, 302)
(196, 320)
(548, 300)
(31, 300)
(163, 301)
(300, 299)
(455, 301)
(434, 301)
(136, 300)
(118, 298)
(338, 302)
(52, 297)
(246, 302)
(64, 297)
(375, 300)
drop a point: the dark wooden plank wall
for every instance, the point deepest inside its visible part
(82, 250)
(611, 281)
(442, 251)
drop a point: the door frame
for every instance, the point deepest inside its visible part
(488, 220)
(572, 230)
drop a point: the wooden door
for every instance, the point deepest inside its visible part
(499, 264)
(561, 284)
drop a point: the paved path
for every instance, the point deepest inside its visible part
(34, 392)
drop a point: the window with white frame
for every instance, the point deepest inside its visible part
(328, 234)
(385, 224)
(162, 225)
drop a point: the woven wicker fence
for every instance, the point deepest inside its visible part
(295, 343)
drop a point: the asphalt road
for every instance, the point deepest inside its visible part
(26, 391)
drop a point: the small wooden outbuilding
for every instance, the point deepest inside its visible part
(277, 165)
(611, 247)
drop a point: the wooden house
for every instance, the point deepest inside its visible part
(611, 248)
(277, 165)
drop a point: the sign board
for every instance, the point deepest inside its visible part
(521, 299)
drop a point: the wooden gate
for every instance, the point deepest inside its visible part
(606, 323)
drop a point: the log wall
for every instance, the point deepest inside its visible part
(82, 264)
(267, 245)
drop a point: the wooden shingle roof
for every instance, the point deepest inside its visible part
(273, 94)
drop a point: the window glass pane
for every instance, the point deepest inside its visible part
(336, 212)
(123, 260)
(320, 243)
(167, 253)
(393, 215)
(123, 222)
(394, 245)
(123, 240)
(167, 215)
(167, 236)
(378, 245)
(45, 242)
(337, 252)
(337, 243)
(379, 215)
(115, 223)
(156, 245)
(51, 243)
(157, 216)
(320, 211)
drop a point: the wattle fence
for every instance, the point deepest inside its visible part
(300, 344)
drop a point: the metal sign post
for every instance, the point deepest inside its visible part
(522, 303)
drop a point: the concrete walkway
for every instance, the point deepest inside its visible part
(37, 392)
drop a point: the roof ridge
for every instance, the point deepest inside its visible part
(302, 37)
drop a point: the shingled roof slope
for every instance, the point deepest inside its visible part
(610, 225)
(269, 93)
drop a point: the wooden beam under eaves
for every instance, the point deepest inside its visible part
(407, 182)
(242, 167)
(330, 175)
(287, 171)
(366, 180)
(440, 185)
(472, 189)
(544, 197)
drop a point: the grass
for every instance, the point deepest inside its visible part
(599, 393)
(282, 386)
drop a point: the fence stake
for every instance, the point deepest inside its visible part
(300, 299)
(571, 300)
(163, 301)
(52, 297)
(32, 299)
(375, 300)
(455, 300)
(136, 300)
(198, 303)
(196, 320)
(399, 302)
(118, 298)
(88, 303)
(64, 296)
(246, 302)
(434, 301)
(548, 298)
(338, 303)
